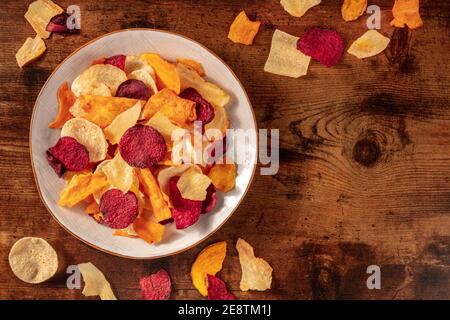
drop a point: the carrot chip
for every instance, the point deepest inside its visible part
(223, 176)
(66, 99)
(80, 187)
(165, 71)
(406, 12)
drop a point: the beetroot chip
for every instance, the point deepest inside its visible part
(119, 209)
(156, 286)
(204, 109)
(185, 212)
(217, 289)
(142, 146)
(117, 61)
(58, 24)
(67, 154)
(323, 45)
(134, 89)
(211, 199)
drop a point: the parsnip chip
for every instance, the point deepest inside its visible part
(95, 283)
(165, 174)
(122, 123)
(107, 74)
(209, 91)
(101, 110)
(220, 120)
(33, 260)
(80, 187)
(145, 77)
(119, 173)
(66, 99)
(243, 30)
(30, 51)
(39, 14)
(256, 272)
(406, 12)
(148, 229)
(150, 187)
(193, 64)
(161, 123)
(89, 135)
(165, 71)
(223, 176)
(369, 44)
(208, 261)
(284, 58)
(178, 110)
(353, 9)
(193, 184)
(298, 8)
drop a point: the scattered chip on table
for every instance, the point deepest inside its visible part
(406, 12)
(243, 30)
(95, 283)
(40, 13)
(284, 58)
(298, 8)
(353, 9)
(369, 44)
(31, 50)
(156, 286)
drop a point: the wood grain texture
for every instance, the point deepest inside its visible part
(365, 155)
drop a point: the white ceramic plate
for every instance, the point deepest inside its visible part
(135, 41)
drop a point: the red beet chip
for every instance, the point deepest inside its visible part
(185, 212)
(323, 45)
(134, 89)
(58, 23)
(117, 61)
(204, 109)
(217, 289)
(211, 199)
(156, 286)
(142, 146)
(119, 209)
(67, 154)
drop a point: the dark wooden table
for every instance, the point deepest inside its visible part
(365, 155)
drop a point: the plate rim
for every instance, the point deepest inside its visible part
(34, 170)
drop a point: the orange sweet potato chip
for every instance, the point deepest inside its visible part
(92, 208)
(208, 261)
(223, 176)
(165, 71)
(179, 110)
(353, 9)
(194, 64)
(406, 12)
(243, 30)
(80, 187)
(148, 229)
(66, 99)
(101, 110)
(150, 187)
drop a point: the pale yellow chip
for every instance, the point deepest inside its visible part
(369, 44)
(284, 58)
(161, 123)
(133, 63)
(30, 51)
(119, 173)
(33, 260)
(193, 184)
(107, 74)
(94, 88)
(89, 135)
(39, 14)
(209, 91)
(144, 76)
(298, 8)
(220, 120)
(165, 174)
(122, 123)
(95, 283)
(256, 272)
